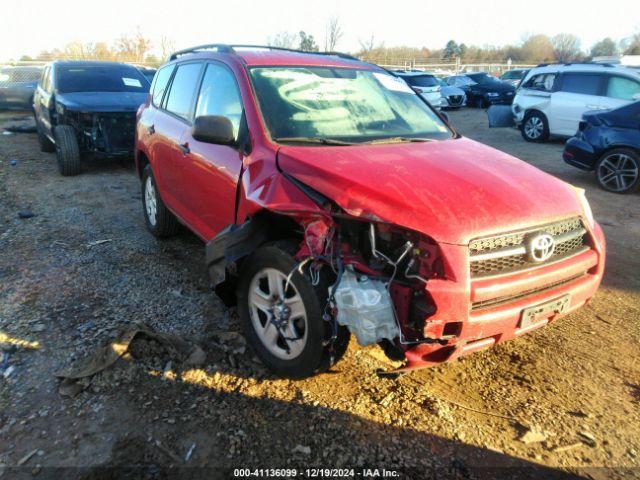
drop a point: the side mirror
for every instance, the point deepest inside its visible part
(213, 129)
(416, 89)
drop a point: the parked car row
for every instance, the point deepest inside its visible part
(333, 200)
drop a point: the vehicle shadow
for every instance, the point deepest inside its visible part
(236, 425)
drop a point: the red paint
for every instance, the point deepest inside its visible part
(450, 191)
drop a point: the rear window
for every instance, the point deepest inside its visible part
(421, 80)
(583, 83)
(160, 83)
(622, 88)
(100, 78)
(183, 89)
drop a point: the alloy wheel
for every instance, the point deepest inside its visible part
(617, 172)
(278, 314)
(534, 127)
(150, 202)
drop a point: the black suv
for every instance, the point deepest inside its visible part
(88, 109)
(483, 90)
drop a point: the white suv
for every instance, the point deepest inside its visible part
(552, 98)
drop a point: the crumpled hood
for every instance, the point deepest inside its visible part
(453, 190)
(102, 101)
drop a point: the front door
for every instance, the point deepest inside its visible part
(213, 171)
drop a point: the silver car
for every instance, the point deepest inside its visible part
(426, 85)
(453, 97)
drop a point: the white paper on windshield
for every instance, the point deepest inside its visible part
(131, 82)
(393, 83)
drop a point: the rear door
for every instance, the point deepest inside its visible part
(579, 92)
(212, 171)
(170, 123)
(620, 90)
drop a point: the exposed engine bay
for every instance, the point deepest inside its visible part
(108, 134)
(378, 273)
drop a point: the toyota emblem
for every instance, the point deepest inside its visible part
(541, 247)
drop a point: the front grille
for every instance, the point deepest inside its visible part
(509, 252)
(492, 302)
(116, 132)
(455, 99)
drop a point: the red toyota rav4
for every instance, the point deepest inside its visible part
(334, 200)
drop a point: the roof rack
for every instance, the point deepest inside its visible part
(575, 63)
(224, 48)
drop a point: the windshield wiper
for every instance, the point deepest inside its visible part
(321, 140)
(398, 140)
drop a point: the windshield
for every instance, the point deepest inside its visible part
(421, 80)
(100, 78)
(342, 104)
(482, 78)
(513, 75)
(459, 81)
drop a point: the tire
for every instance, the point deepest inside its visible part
(67, 150)
(535, 127)
(159, 220)
(618, 170)
(267, 267)
(46, 145)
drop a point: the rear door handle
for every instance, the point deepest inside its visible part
(151, 129)
(184, 147)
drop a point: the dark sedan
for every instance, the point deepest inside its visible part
(608, 142)
(17, 85)
(482, 89)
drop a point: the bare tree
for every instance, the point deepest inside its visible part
(167, 47)
(133, 49)
(367, 45)
(333, 34)
(566, 47)
(283, 40)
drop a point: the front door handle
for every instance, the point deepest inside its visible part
(592, 107)
(184, 147)
(151, 129)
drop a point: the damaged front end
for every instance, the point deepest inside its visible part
(108, 134)
(378, 272)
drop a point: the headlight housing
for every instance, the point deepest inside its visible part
(586, 208)
(493, 94)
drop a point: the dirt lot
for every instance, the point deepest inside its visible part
(84, 267)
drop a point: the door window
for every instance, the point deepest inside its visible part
(543, 82)
(582, 83)
(160, 82)
(622, 88)
(183, 89)
(219, 95)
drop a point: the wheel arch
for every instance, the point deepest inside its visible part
(227, 251)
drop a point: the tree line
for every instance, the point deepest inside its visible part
(533, 48)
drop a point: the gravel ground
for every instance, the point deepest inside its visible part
(561, 402)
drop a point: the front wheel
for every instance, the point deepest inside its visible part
(67, 150)
(618, 170)
(535, 127)
(283, 322)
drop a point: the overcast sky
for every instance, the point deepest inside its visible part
(29, 26)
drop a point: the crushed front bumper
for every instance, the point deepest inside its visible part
(466, 325)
